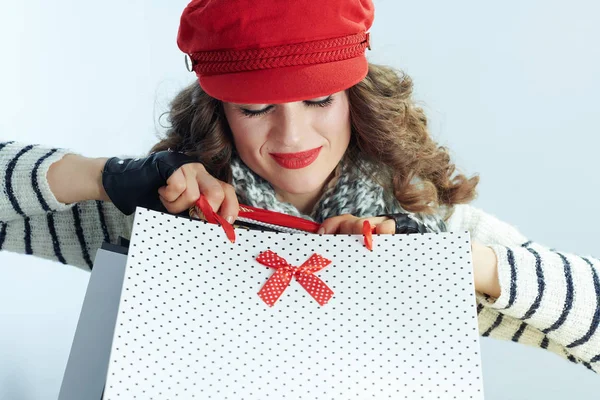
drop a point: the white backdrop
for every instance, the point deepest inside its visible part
(511, 88)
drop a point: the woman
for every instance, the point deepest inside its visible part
(289, 116)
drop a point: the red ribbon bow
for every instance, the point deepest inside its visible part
(279, 281)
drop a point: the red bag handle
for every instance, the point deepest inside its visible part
(271, 217)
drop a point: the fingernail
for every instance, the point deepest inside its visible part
(229, 219)
(321, 231)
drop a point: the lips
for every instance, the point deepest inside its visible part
(296, 160)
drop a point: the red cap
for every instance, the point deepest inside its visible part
(276, 51)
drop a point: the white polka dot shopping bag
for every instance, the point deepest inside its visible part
(293, 315)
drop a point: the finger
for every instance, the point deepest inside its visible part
(210, 187)
(331, 225)
(230, 206)
(386, 227)
(357, 226)
(169, 205)
(175, 186)
(347, 226)
(189, 195)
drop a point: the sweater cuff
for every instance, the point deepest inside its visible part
(27, 191)
(518, 271)
(554, 292)
(52, 156)
(505, 276)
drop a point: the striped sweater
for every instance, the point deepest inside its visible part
(549, 299)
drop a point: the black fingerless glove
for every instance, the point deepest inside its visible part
(406, 224)
(135, 182)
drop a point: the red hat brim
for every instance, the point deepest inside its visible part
(287, 84)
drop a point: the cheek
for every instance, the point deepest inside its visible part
(247, 144)
(336, 126)
(241, 138)
(246, 137)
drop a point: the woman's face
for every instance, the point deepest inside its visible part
(295, 146)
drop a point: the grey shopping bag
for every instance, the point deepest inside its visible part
(85, 373)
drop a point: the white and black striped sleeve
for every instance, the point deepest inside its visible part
(24, 188)
(554, 291)
(70, 237)
(33, 222)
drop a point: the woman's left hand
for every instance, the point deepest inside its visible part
(349, 224)
(485, 264)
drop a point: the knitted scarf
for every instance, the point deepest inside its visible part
(351, 191)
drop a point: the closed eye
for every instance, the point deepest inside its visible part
(255, 113)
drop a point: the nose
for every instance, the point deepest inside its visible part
(291, 126)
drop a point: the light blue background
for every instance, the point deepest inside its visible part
(511, 87)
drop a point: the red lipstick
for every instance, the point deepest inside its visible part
(296, 160)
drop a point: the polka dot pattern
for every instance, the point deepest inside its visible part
(402, 323)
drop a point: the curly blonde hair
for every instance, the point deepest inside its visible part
(388, 129)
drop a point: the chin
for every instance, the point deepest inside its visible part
(299, 181)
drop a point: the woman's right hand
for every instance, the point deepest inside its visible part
(166, 181)
(185, 185)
